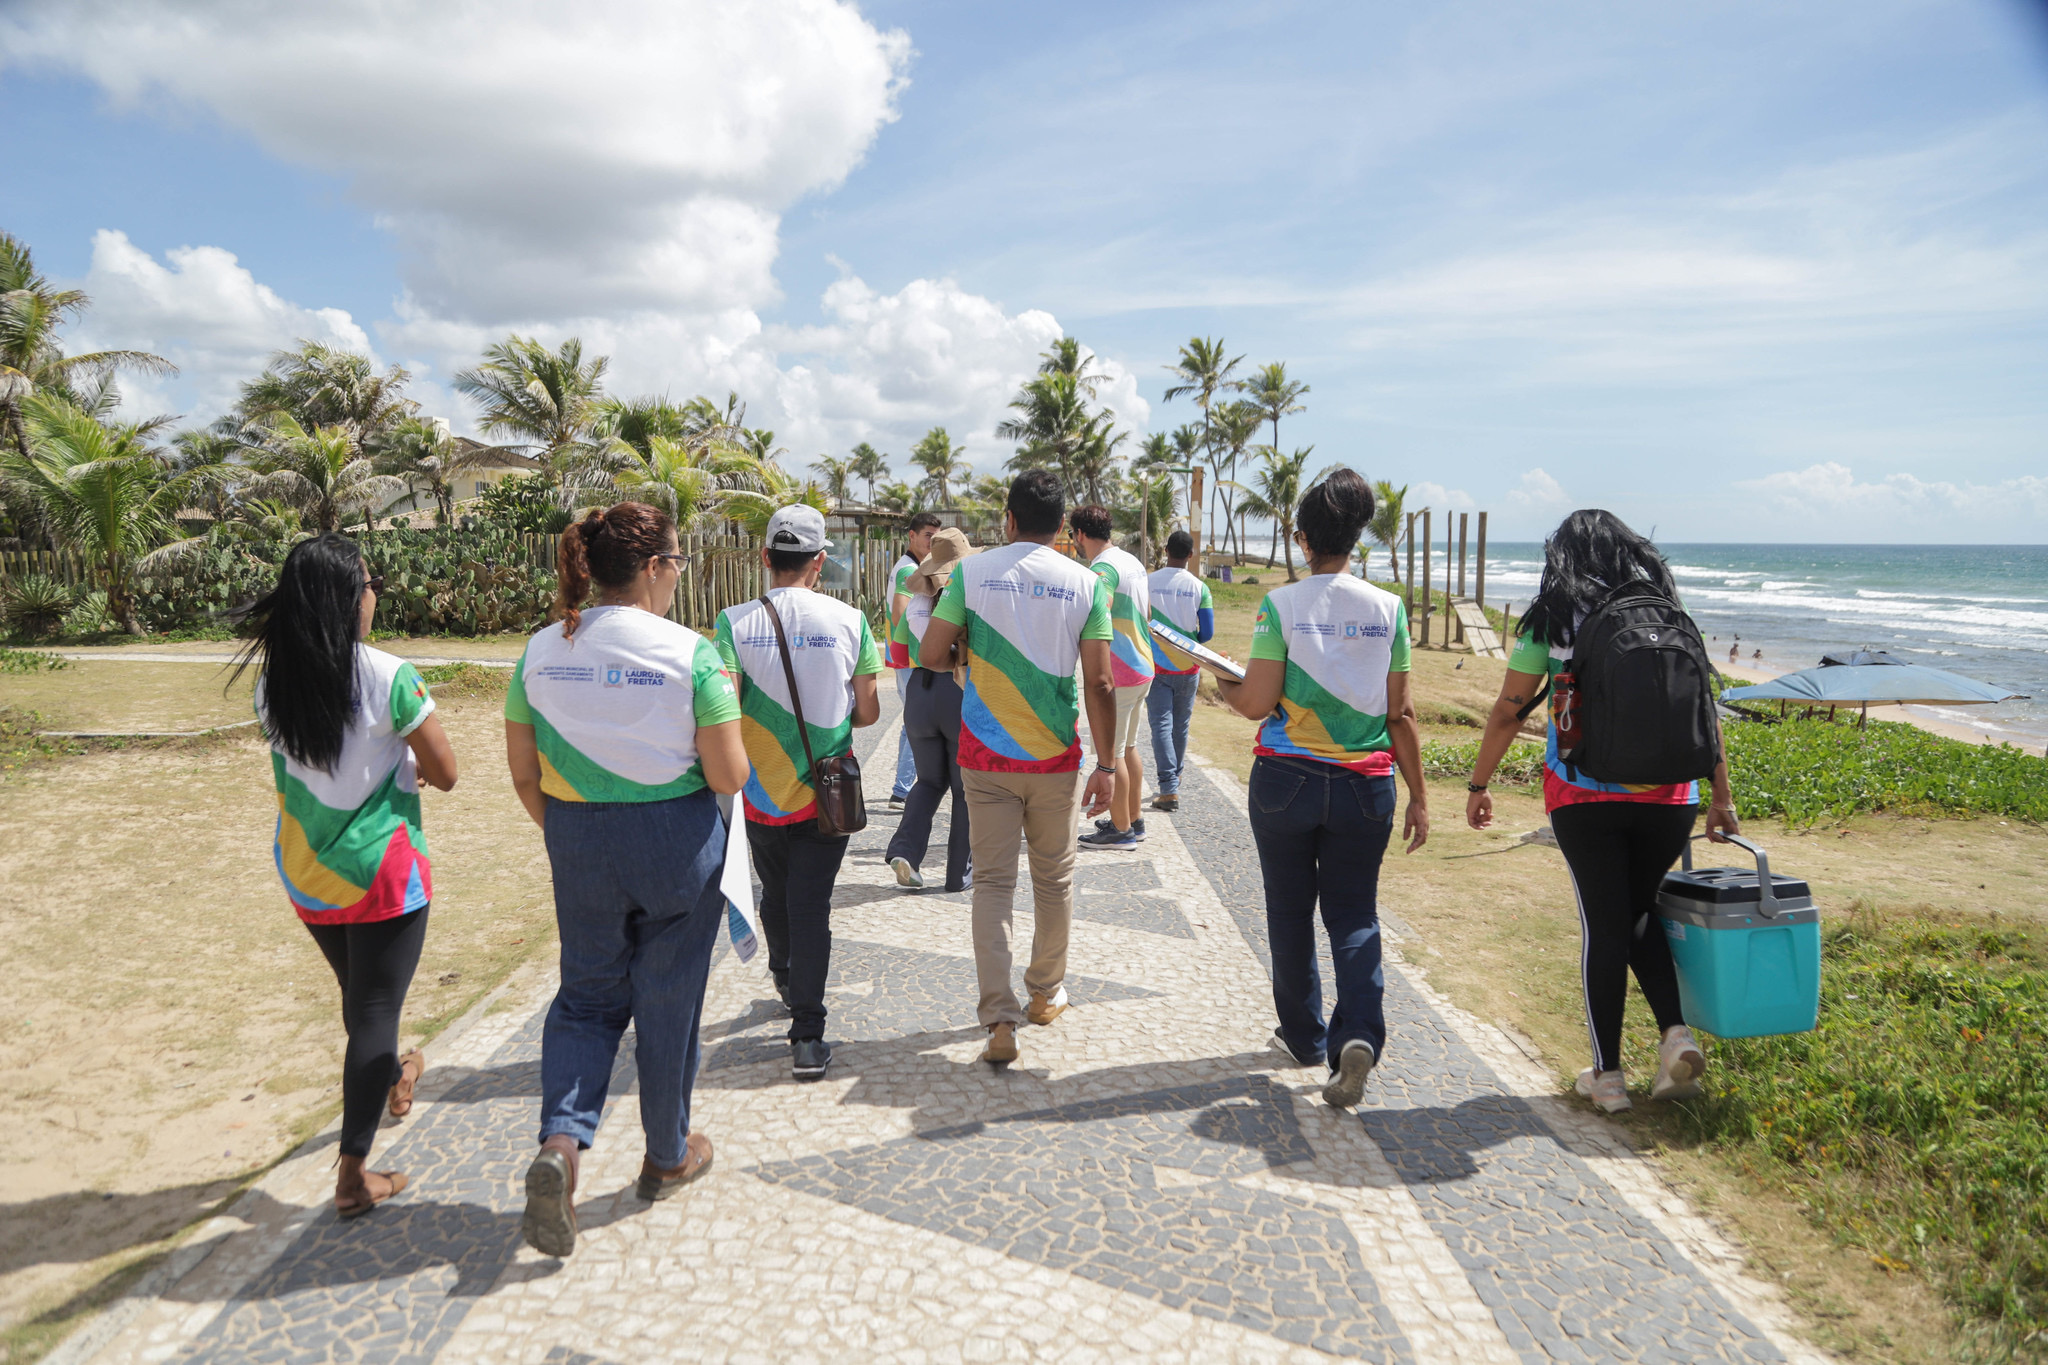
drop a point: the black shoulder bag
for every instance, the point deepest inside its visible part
(842, 807)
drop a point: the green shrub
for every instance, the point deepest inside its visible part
(1521, 766)
(530, 505)
(90, 615)
(1917, 1113)
(35, 604)
(466, 680)
(1807, 770)
(30, 661)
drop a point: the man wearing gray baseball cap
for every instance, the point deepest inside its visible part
(832, 658)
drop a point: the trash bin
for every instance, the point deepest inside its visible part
(1747, 945)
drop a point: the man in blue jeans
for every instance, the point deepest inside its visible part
(1180, 600)
(900, 652)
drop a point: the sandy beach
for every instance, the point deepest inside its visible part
(1911, 715)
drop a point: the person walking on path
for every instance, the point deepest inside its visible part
(352, 732)
(1328, 680)
(931, 717)
(1024, 615)
(1131, 667)
(1618, 841)
(834, 661)
(619, 726)
(1183, 601)
(902, 653)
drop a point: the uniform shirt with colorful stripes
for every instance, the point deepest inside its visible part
(901, 652)
(615, 707)
(1130, 615)
(349, 847)
(1023, 612)
(1339, 637)
(1563, 786)
(1178, 600)
(829, 645)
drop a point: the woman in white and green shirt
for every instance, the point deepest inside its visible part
(619, 725)
(1328, 681)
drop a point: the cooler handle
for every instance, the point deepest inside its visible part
(1766, 898)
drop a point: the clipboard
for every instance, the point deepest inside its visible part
(736, 881)
(1182, 649)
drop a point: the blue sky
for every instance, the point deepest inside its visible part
(1740, 272)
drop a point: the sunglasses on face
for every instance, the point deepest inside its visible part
(676, 559)
(374, 583)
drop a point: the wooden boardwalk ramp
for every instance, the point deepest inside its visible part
(1479, 634)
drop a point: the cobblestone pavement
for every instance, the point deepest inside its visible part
(1150, 1180)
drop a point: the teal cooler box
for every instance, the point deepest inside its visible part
(1747, 945)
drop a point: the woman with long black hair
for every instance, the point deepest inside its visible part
(352, 732)
(1618, 840)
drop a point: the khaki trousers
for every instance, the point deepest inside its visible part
(1043, 809)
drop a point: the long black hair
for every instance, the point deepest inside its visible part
(1333, 513)
(1590, 552)
(307, 628)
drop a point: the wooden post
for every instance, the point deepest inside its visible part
(1408, 588)
(1195, 520)
(1463, 519)
(1428, 543)
(1479, 574)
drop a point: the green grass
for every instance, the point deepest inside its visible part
(1521, 766)
(466, 680)
(1808, 770)
(30, 661)
(21, 746)
(1915, 1118)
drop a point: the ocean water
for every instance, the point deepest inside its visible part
(1978, 610)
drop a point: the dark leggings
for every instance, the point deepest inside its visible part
(374, 964)
(1618, 853)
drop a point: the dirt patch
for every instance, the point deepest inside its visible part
(172, 1027)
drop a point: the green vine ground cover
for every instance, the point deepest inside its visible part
(1914, 1120)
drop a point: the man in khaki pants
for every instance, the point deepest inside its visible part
(1022, 616)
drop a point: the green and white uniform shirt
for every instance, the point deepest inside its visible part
(349, 846)
(1130, 616)
(1339, 637)
(1023, 611)
(615, 708)
(829, 645)
(902, 648)
(1178, 600)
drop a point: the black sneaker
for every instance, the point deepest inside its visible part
(808, 1058)
(1315, 1059)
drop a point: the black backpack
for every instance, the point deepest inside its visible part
(1638, 694)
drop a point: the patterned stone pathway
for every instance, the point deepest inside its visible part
(1150, 1180)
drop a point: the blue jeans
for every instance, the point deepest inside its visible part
(906, 761)
(931, 717)
(1321, 832)
(1168, 706)
(638, 908)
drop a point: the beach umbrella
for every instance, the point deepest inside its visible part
(1868, 685)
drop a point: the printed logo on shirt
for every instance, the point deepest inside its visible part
(646, 677)
(576, 673)
(614, 676)
(1054, 591)
(1038, 589)
(1369, 630)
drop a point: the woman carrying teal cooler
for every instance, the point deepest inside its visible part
(352, 732)
(1618, 840)
(619, 725)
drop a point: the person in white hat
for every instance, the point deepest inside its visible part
(833, 656)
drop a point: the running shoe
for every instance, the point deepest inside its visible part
(1046, 1008)
(1002, 1045)
(1109, 826)
(1166, 801)
(1112, 838)
(808, 1058)
(906, 875)
(1680, 1064)
(1281, 1043)
(1608, 1089)
(1347, 1080)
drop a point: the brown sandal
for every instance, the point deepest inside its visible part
(357, 1208)
(400, 1103)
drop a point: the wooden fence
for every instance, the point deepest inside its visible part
(65, 566)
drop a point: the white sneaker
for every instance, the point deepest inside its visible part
(1346, 1086)
(1608, 1089)
(906, 875)
(1680, 1064)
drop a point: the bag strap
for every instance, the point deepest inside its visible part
(796, 701)
(1534, 702)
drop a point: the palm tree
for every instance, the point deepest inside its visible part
(774, 487)
(902, 498)
(942, 463)
(1067, 357)
(427, 458)
(1385, 527)
(218, 451)
(1232, 429)
(637, 421)
(1053, 426)
(1202, 371)
(1274, 393)
(1155, 496)
(1276, 494)
(322, 386)
(319, 472)
(869, 464)
(550, 401)
(31, 357)
(103, 493)
(838, 475)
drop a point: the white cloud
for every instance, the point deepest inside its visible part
(532, 158)
(1828, 503)
(201, 310)
(1537, 494)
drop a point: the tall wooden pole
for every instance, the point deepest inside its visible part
(1408, 588)
(1463, 519)
(1428, 542)
(1479, 568)
(1195, 520)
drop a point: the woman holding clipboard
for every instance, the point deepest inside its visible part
(1328, 680)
